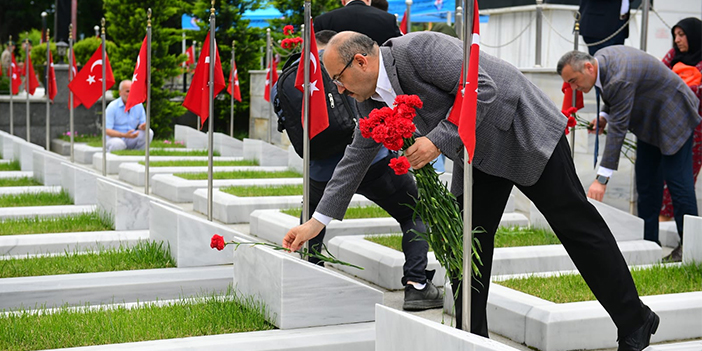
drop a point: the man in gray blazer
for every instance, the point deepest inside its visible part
(644, 96)
(520, 141)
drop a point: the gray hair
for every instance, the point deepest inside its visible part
(356, 44)
(575, 59)
(121, 84)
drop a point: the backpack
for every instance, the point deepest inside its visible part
(288, 106)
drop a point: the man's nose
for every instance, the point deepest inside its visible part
(573, 86)
(340, 89)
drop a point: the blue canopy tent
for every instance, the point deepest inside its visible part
(258, 18)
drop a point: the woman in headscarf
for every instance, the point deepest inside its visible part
(685, 58)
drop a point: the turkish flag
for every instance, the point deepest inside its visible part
(233, 89)
(74, 68)
(274, 64)
(198, 98)
(568, 98)
(31, 83)
(191, 56)
(319, 119)
(465, 105)
(137, 94)
(15, 74)
(52, 78)
(403, 24)
(86, 85)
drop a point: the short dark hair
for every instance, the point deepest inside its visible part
(323, 36)
(575, 59)
(357, 43)
(380, 4)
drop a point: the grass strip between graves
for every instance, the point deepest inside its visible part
(84, 222)
(240, 175)
(18, 181)
(188, 317)
(257, 191)
(656, 280)
(155, 144)
(83, 138)
(355, 212)
(14, 165)
(36, 199)
(203, 163)
(505, 237)
(162, 152)
(144, 255)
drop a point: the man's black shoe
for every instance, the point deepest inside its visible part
(419, 300)
(639, 339)
(675, 255)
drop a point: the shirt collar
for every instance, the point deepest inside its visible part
(383, 88)
(120, 103)
(598, 83)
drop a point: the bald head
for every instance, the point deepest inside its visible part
(124, 87)
(352, 62)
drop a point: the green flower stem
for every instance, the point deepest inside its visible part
(303, 252)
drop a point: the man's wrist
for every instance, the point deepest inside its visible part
(602, 179)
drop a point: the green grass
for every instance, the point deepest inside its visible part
(90, 139)
(254, 191)
(155, 144)
(84, 222)
(35, 199)
(14, 165)
(505, 237)
(161, 152)
(355, 212)
(185, 318)
(196, 163)
(18, 181)
(656, 280)
(145, 255)
(240, 175)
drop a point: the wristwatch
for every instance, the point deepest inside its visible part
(602, 179)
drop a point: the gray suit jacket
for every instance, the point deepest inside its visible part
(518, 126)
(641, 94)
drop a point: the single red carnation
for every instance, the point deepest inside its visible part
(217, 242)
(288, 30)
(394, 144)
(400, 165)
(404, 127)
(411, 100)
(380, 133)
(571, 121)
(297, 40)
(569, 111)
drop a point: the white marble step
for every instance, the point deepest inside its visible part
(16, 174)
(44, 211)
(32, 244)
(111, 287)
(29, 189)
(4, 162)
(134, 173)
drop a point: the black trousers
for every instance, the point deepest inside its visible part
(559, 195)
(392, 193)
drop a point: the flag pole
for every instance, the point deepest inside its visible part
(147, 127)
(576, 37)
(70, 92)
(26, 80)
(184, 62)
(46, 86)
(467, 179)
(12, 112)
(210, 132)
(408, 3)
(306, 48)
(104, 87)
(231, 114)
(199, 121)
(269, 55)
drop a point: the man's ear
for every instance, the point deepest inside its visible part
(589, 68)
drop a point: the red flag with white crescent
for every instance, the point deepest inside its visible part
(233, 88)
(271, 81)
(137, 93)
(87, 84)
(52, 78)
(15, 76)
(30, 83)
(319, 118)
(403, 24)
(74, 68)
(198, 98)
(191, 56)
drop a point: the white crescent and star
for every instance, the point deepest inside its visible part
(138, 62)
(90, 80)
(98, 62)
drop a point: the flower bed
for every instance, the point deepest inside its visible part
(260, 191)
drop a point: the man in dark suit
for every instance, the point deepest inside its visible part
(644, 96)
(600, 19)
(359, 16)
(520, 142)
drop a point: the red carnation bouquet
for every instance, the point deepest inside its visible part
(436, 206)
(577, 122)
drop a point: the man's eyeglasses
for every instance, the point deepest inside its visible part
(335, 78)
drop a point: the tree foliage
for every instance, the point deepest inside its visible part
(126, 24)
(231, 26)
(295, 12)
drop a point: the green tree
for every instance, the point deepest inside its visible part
(295, 12)
(126, 24)
(231, 26)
